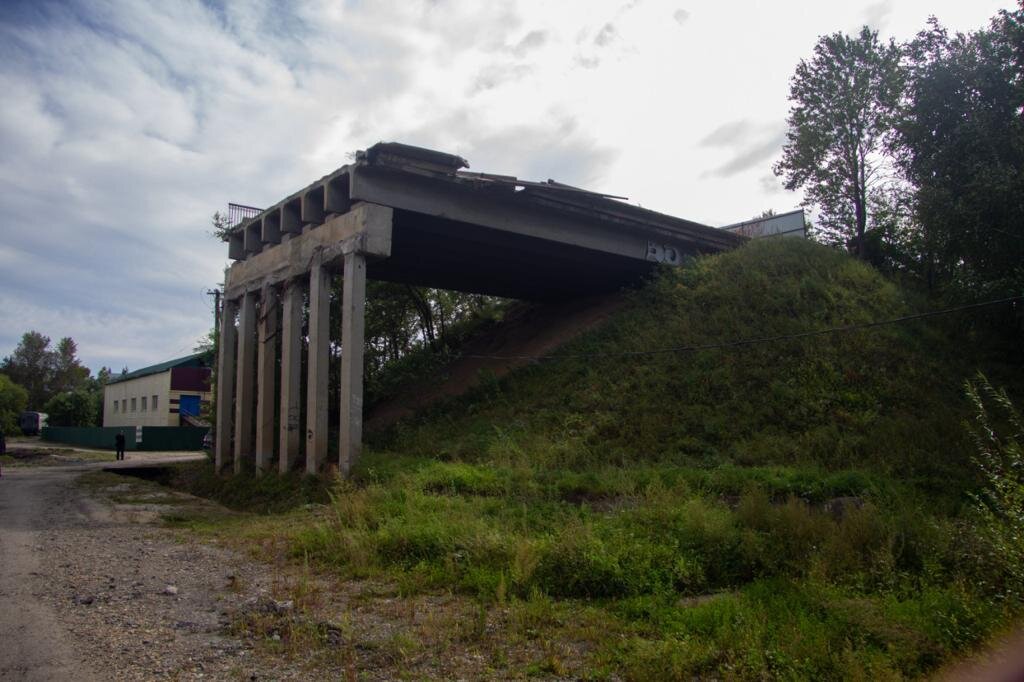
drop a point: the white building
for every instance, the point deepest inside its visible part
(173, 393)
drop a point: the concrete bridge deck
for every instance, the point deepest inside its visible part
(480, 233)
(413, 215)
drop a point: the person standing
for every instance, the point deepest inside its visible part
(119, 444)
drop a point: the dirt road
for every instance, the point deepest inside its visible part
(89, 593)
(31, 640)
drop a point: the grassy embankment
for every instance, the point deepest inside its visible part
(668, 514)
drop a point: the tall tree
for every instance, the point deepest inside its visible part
(32, 365)
(44, 371)
(844, 101)
(68, 372)
(960, 143)
(96, 386)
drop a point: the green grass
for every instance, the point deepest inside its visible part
(788, 629)
(842, 401)
(678, 503)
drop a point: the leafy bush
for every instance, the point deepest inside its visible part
(73, 408)
(13, 399)
(998, 433)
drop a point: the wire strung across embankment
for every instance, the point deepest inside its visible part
(755, 340)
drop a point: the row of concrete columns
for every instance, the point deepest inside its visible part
(246, 386)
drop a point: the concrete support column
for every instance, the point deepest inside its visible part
(245, 388)
(318, 368)
(353, 309)
(291, 381)
(223, 455)
(266, 361)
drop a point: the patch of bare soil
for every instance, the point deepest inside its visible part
(41, 455)
(136, 600)
(369, 630)
(527, 330)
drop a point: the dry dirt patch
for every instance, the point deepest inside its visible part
(241, 605)
(21, 454)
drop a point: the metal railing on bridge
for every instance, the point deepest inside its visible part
(239, 212)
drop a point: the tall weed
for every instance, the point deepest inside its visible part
(998, 434)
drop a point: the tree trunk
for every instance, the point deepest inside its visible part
(441, 321)
(426, 316)
(861, 221)
(860, 205)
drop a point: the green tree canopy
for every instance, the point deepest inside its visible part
(844, 101)
(13, 399)
(72, 408)
(68, 372)
(32, 365)
(45, 371)
(960, 143)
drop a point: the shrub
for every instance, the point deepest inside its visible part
(998, 433)
(72, 408)
(13, 399)
(459, 478)
(576, 563)
(860, 546)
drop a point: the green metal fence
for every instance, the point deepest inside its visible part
(171, 438)
(97, 437)
(154, 438)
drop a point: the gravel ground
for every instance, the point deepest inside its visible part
(93, 587)
(89, 592)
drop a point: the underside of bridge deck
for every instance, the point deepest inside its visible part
(449, 254)
(409, 215)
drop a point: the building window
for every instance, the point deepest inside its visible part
(154, 403)
(115, 407)
(133, 404)
(143, 403)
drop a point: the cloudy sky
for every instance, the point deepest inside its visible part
(125, 124)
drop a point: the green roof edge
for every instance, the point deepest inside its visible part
(155, 369)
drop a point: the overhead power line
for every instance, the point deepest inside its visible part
(755, 340)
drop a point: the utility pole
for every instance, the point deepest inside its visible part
(212, 415)
(216, 307)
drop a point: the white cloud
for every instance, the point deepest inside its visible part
(125, 124)
(876, 15)
(749, 145)
(606, 36)
(530, 41)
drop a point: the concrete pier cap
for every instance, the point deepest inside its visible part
(406, 214)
